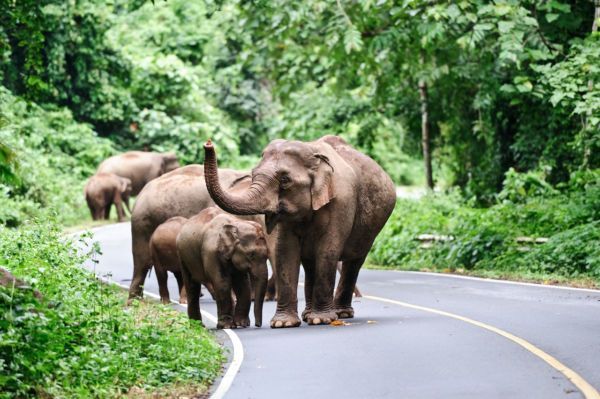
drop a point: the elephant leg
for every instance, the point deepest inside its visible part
(241, 287)
(224, 306)
(346, 287)
(181, 286)
(272, 284)
(119, 206)
(162, 277)
(309, 279)
(126, 202)
(356, 290)
(142, 263)
(211, 290)
(271, 289)
(107, 211)
(192, 289)
(288, 268)
(322, 311)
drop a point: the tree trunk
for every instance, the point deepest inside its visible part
(425, 133)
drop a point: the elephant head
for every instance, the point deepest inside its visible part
(292, 180)
(169, 162)
(243, 245)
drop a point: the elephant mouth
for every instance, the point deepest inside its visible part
(271, 220)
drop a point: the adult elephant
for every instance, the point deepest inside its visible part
(181, 192)
(139, 166)
(326, 202)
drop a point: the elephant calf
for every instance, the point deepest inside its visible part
(220, 249)
(163, 249)
(104, 189)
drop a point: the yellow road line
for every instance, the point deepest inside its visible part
(588, 390)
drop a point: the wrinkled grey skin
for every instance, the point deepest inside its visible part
(325, 202)
(181, 192)
(163, 249)
(224, 251)
(105, 189)
(139, 166)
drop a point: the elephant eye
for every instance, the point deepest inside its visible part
(285, 180)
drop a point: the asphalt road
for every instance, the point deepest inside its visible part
(401, 344)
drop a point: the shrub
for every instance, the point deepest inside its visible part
(77, 341)
(485, 238)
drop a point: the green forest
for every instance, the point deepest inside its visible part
(492, 107)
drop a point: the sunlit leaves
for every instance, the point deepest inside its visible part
(352, 39)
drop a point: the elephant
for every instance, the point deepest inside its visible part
(356, 290)
(181, 192)
(165, 258)
(139, 166)
(325, 202)
(104, 189)
(225, 251)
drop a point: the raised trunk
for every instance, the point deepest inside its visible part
(260, 289)
(251, 202)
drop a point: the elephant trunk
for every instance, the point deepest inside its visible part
(260, 278)
(251, 202)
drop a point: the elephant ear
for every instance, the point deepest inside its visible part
(322, 190)
(228, 238)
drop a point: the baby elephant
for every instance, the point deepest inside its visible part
(104, 189)
(163, 249)
(219, 248)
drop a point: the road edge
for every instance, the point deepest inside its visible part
(237, 357)
(488, 280)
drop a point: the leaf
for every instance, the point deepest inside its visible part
(339, 323)
(352, 40)
(453, 11)
(505, 26)
(550, 17)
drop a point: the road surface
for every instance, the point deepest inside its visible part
(415, 335)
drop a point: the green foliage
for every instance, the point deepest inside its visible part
(78, 341)
(55, 52)
(491, 69)
(485, 238)
(55, 154)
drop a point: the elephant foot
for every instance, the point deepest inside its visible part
(315, 318)
(284, 320)
(305, 312)
(242, 322)
(165, 301)
(345, 312)
(225, 322)
(132, 300)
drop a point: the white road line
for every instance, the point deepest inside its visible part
(491, 280)
(238, 349)
(586, 388)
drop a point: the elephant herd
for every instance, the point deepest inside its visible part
(318, 204)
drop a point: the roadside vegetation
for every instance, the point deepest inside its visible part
(496, 104)
(77, 340)
(496, 241)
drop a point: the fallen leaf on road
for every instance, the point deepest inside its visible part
(338, 323)
(371, 322)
